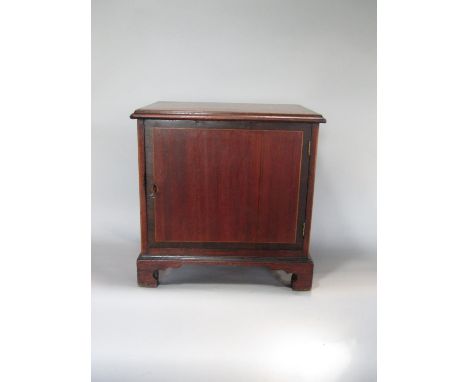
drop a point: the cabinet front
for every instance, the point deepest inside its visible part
(226, 185)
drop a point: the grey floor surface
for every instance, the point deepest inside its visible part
(232, 324)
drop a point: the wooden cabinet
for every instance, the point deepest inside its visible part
(226, 184)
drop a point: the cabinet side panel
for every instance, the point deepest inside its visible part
(141, 178)
(311, 185)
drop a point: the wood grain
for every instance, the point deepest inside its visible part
(141, 183)
(301, 268)
(226, 185)
(226, 111)
(311, 187)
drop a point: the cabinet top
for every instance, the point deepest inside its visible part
(227, 111)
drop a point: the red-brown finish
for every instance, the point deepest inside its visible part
(141, 178)
(226, 184)
(204, 250)
(301, 269)
(227, 111)
(310, 188)
(220, 185)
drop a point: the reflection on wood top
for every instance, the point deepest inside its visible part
(227, 111)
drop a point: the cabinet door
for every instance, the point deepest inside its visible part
(226, 185)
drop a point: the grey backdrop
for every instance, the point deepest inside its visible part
(320, 54)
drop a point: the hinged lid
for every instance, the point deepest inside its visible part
(227, 111)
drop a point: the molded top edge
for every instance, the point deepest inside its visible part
(227, 111)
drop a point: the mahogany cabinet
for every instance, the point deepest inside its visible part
(226, 184)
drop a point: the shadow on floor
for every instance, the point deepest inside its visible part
(114, 264)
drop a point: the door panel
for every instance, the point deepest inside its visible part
(230, 187)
